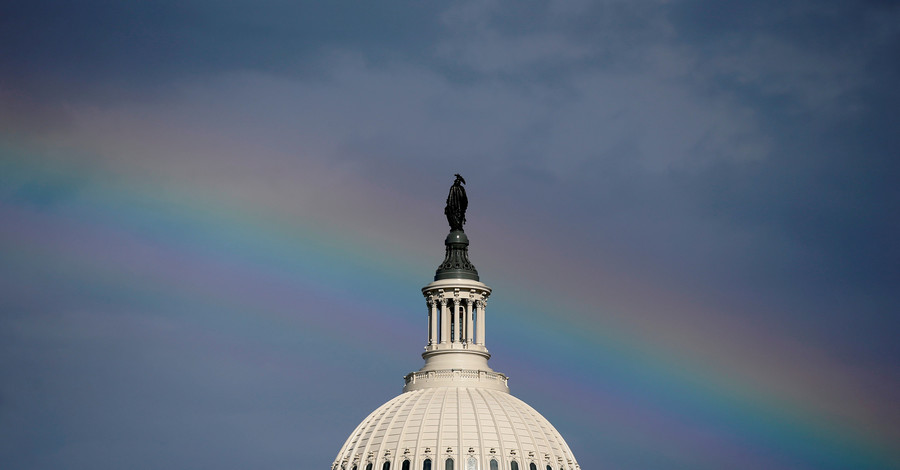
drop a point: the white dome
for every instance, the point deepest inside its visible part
(459, 423)
(455, 413)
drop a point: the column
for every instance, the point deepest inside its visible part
(469, 323)
(445, 321)
(479, 304)
(456, 325)
(433, 326)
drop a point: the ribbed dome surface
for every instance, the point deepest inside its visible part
(459, 422)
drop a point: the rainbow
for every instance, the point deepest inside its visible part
(627, 367)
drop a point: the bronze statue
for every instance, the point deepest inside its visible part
(456, 204)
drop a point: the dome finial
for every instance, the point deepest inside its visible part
(457, 202)
(456, 264)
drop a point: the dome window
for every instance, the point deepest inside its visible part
(405, 465)
(448, 464)
(426, 465)
(532, 466)
(387, 465)
(494, 465)
(514, 465)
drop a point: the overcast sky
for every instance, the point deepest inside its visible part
(217, 216)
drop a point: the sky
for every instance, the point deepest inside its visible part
(215, 219)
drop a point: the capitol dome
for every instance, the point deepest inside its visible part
(455, 413)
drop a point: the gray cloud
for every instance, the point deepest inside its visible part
(742, 151)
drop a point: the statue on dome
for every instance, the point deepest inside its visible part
(457, 202)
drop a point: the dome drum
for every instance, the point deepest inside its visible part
(455, 378)
(456, 323)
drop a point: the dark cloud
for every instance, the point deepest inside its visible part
(60, 46)
(742, 151)
(820, 84)
(773, 119)
(793, 197)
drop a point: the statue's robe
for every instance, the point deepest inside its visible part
(457, 202)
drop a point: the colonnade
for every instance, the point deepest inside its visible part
(456, 318)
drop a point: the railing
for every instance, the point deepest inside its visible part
(451, 374)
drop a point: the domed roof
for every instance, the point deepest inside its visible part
(455, 413)
(459, 423)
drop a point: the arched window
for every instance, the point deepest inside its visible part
(448, 464)
(355, 467)
(405, 465)
(369, 466)
(514, 465)
(494, 465)
(532, 466)
(549, 467)
(426, 465)
(387, 465)
(471, 463)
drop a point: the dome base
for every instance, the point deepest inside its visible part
(423, 379)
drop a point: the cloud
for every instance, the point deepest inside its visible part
(59, 49)
(741, 155)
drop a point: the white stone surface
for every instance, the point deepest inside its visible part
(455, 422)
(455, 406)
